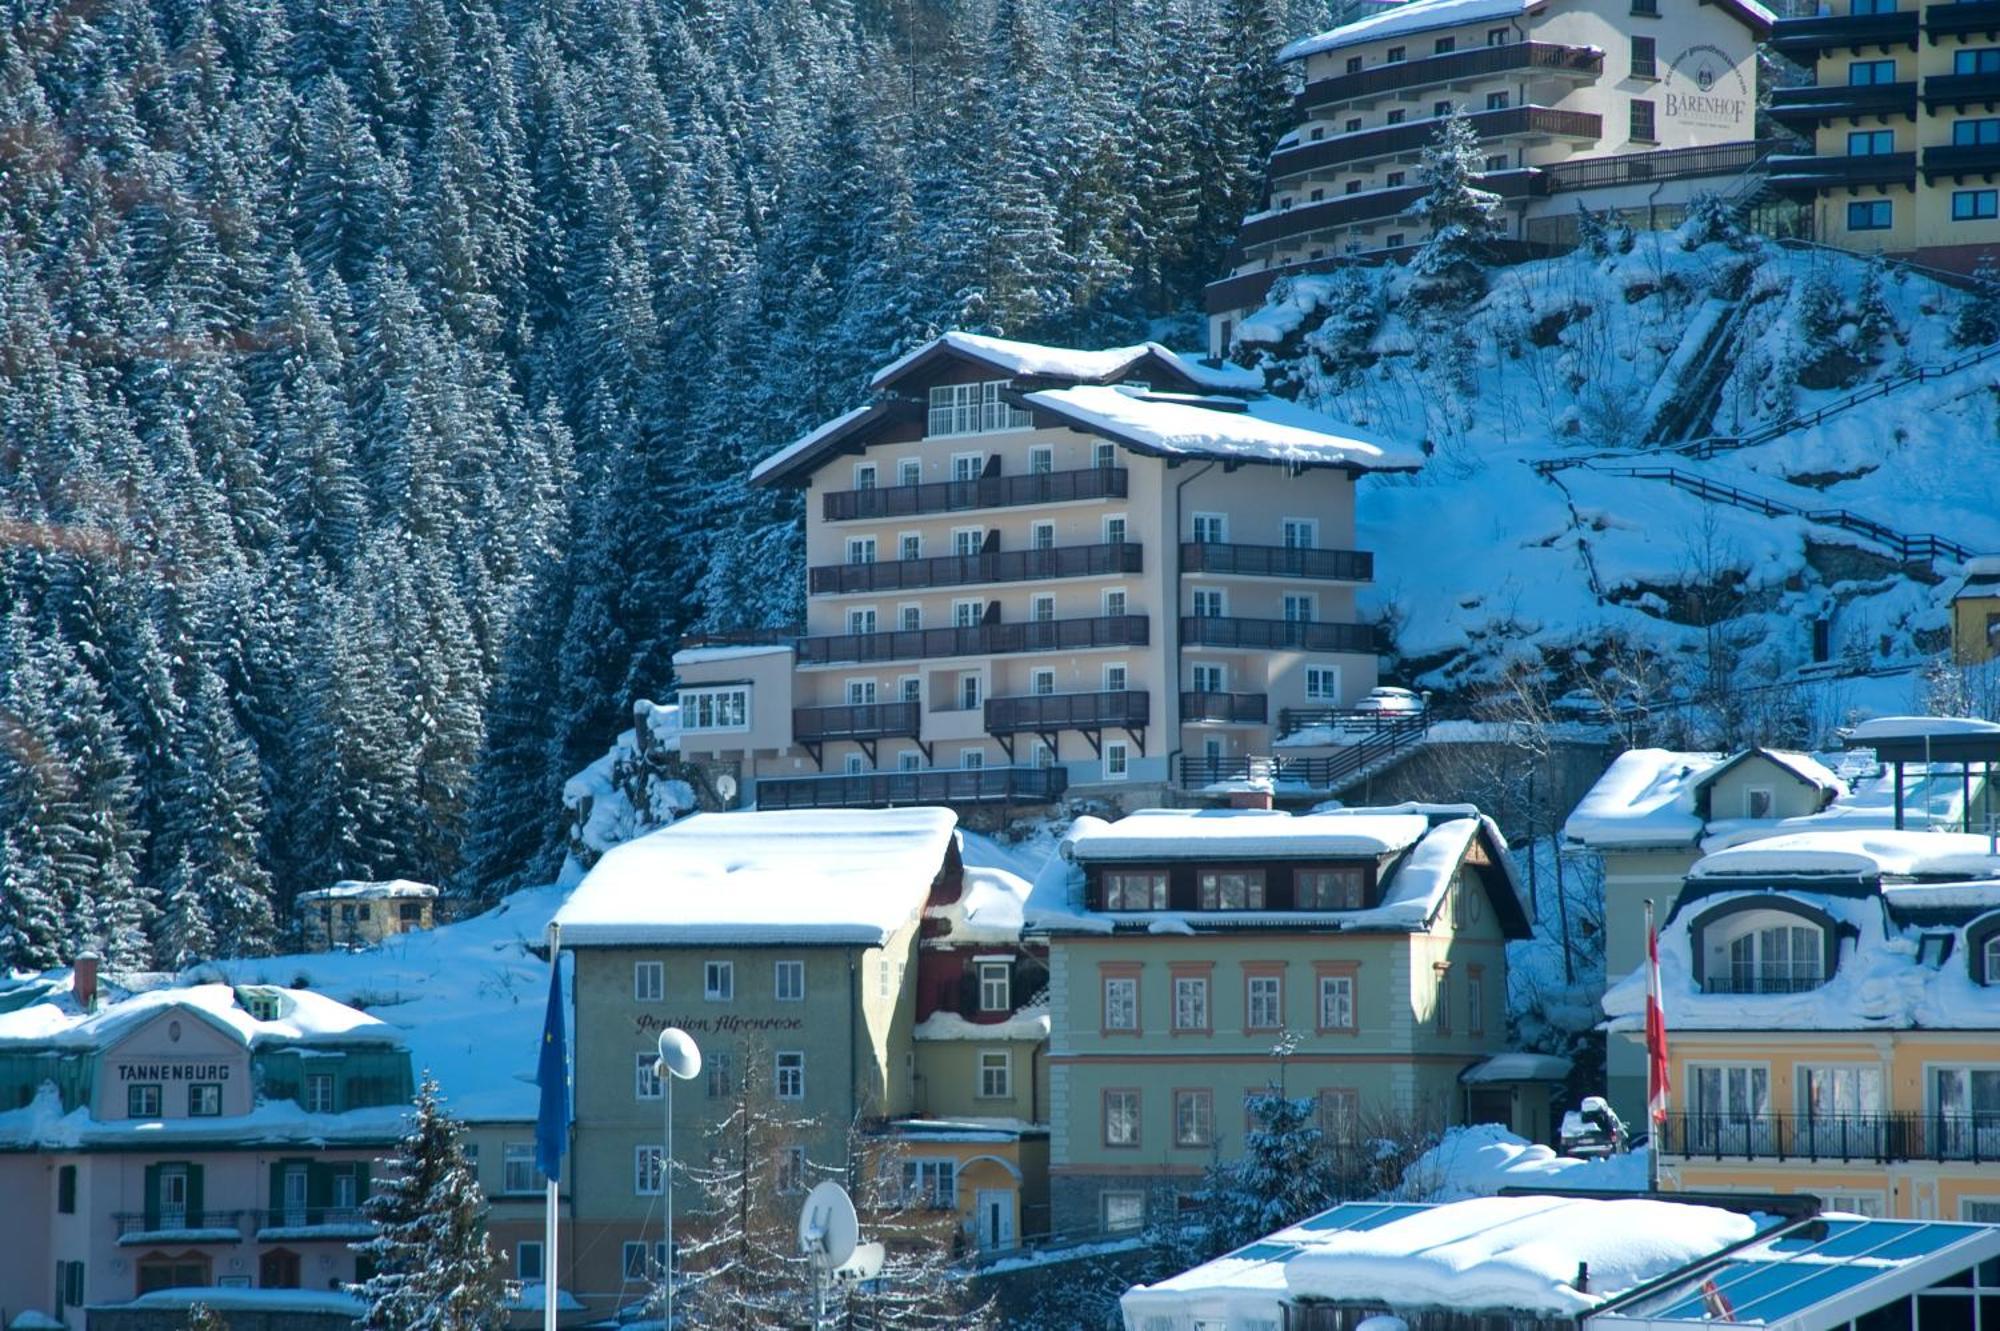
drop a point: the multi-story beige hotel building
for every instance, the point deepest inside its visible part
(1902, 116)
(1031, 569)
(1630, 104)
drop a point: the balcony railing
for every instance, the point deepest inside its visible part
(1959, 89)
(1073, 561)
(1322, 773)
(344, 1219)
(1225, 708)
(1277, 561)
(870, 720)
(869, 790)
(1067, 711)
(1039, 635)
(1035, 487)
(1821, 32)
(1963, 17)
(134, 1225)
(1815, 172)
(1846, 1137)
(1351, 723)
(1475, 63)
(1372, 206)
(1716, 159)
(1815, 102)
(1278, 634)
(1967, 158)
(1414, 136)
(1791, 982)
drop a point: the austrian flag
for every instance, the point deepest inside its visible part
(1658, 1081)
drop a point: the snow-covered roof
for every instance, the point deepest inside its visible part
(42, 1124)
(826, 876)
(1244, 834)
(988, 910)
(1482, 1159)
(1264, 432)
(351, 890)
(813, 438)
(237, 1298)
(1399, 20)
(1490, 1254)
(1645, 798)
(703, 655)
(1517, 1065)
(1030, 1023)
(1036, 361)
(1978, 576)
(1861, 852)
(304, 1018)
(1916, 727)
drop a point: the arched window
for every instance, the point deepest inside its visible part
(1763, 951)
(1989, 956)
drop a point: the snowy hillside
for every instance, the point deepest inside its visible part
(1584, 364)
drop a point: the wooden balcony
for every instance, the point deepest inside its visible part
(1962, 159)
(875, 790)
(1278, 635)
(1477, 63)
(1277, 561)
(1814, 104)
(1074, 561)
(1035, 487)
(1046, 635)
(1235, 709)
(1804, 38)
(1046, 712)
(1810, 172)
(1954, 90)
(873, 720)
(1414, 136)
(1963, 18)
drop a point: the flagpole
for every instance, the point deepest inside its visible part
(550, 1283)
(1656, 1104)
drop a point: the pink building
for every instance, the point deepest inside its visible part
(204, 1136)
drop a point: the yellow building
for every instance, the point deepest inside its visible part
(353, 914)
(1833, 1020)
(1975, 612)
(1906, 142)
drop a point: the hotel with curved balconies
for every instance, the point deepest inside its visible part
(1630, 104)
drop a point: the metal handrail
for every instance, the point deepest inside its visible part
(1198, 705)
(1307, 635)
(1034, 635)
(1281, 561)
(1472, 63)
(1067, 711)
(1070, 561)
(1035, 487)
(852, 720)
(967, 785)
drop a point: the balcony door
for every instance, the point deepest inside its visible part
(293, 1200)
(1301, 534)
(174, 1197)
(1732, 1111)
(1966, 1104)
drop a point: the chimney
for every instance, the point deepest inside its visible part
(1250, 799)
(83, 980)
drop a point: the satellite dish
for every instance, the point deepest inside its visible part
(725, 787)
(865, 1264)
(679, 1054)
(828, 1227)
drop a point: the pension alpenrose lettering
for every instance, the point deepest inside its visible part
(173, 1072)
(647, 1024)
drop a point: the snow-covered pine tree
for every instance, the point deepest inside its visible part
(434, 1270)
(1284, 1174)
(201, 1317)
(1977, 323)
(1451, 263)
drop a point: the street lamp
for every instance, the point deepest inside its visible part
(679, 1060)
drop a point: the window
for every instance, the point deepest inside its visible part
(1396, 117)
(1989, 956)
(1191, 1003)
(789, 1175)
(965, 614)
(1394, 240)
(1394, 57)
(791, 1082)
(205, 1100)
(996, 1074)
(69, 1284)
(1869, 73)
(1978, 60)
(1354, 64)
(1966, 1103)
(1441, 1000)
(1114, 530)
(1394, 179)
(910, 545)
(1835, 1091)
(1444, 46)
(861, 549)
(1976, 133)
(971, 760)
(1870, 142)
(642, 1261)
(729, 708)
(911, 688)
(930, 1183)
(860, 692)
(648, 1170)
(1113, 602)
(1042, 609)
(1339, 1113)
(1644, 59)
(1121, 1002)
(1231, 889)
(1496, 36)
(973, 409)
(645, 1076)
(1980, 1210)
(1497, 162)
(718, 981)
(1300, 608)
(1117, 760)
(1194, 1118)
(1645, 8)
(864, 476)
(1208, 603)
(1441, 109)
(1041, 683)
(909, 471)
(720, 1070)
(1353, 187)
(1971, 205)
(1764, 952)
(1264, 1002)
(1104, 455)
(855, 764)
(1120, 1212)
(319, 1093)
(517, 1167)
(1870, 215)
(1862, 7)
(1045, 757)
(1211, 528)
(1329, 889)
(1642, 122)
(1475, 1001)
(1208, 677)
(1336, 1003)
(1121, 1118)
(1731, 1108)
(909, 760)
(1135, 889)
(528, 1260)
(1498, 101)
(996, 986)
(968, 692)
(1323, 683)
(1300, 533)
(173, 1196)
(1041, 460)
(789, 983)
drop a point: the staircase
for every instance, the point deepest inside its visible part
(1388, 743)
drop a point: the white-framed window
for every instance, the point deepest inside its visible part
(1231, 889)
(791, 1075)
(1117, 760)
(1980, 1210)
(1121, 1002)
(971, 691)
(1336, 1003)
(1114, 676)
(1042, 609)
(1301, 533)
(996, 1074)
(1114, 601)
(1104, 455)
(1121, 1117)
(1323, 683)
(1837, 1090)
(1122, 1212)
(1868, 1204)
(971, 760)
(911, 688)
(1764, 952)
(860, 619)
(789, 981)
(1300, 607)
(965, 613)
(968, 540)
(1044, 756)
(528, 1260)
(1441, 1000)
(910, 760)
(1135, 889)
(1965, 1112)
(855, 765)
(1265, 1002)
(1731, 1092)
(725, 708)
(910, 471)
(1339, 1113)
(718, 981)
(1191, 1002)
(517, 1168)
(718, 1070)
(973, 409)
(648, 1170)
(1759, 802)
(1475, 1002)
(1194, 1118)
(646, 1075)
(860, 692)
(909, 618)
(930, 1183)
(1041, 683)
(789, 1174)
(996, 986)
(1210, 603)
(1042, 535)
(205, 1100)
(864, 476)
(1114, 529)
(1209, 677)
(1211, 528)
(319, 1093)
(649, 981)
(861, 549)
(967, 466)
(642, 1261)
(910, 545)
(1041, 460)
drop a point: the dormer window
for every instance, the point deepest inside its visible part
(1989, 956)
(1762, 950)
(1232, 889)
(1330, 889)
(260, 1003)
(974, 409)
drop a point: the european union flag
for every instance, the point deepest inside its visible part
(552, 1123)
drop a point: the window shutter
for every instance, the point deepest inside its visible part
(194, 1206)
(152, 1197)
(277, 1193)
(319, 1184)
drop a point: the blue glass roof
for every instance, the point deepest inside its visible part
(1361, 1215)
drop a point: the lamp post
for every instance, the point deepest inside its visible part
(679, 1060)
